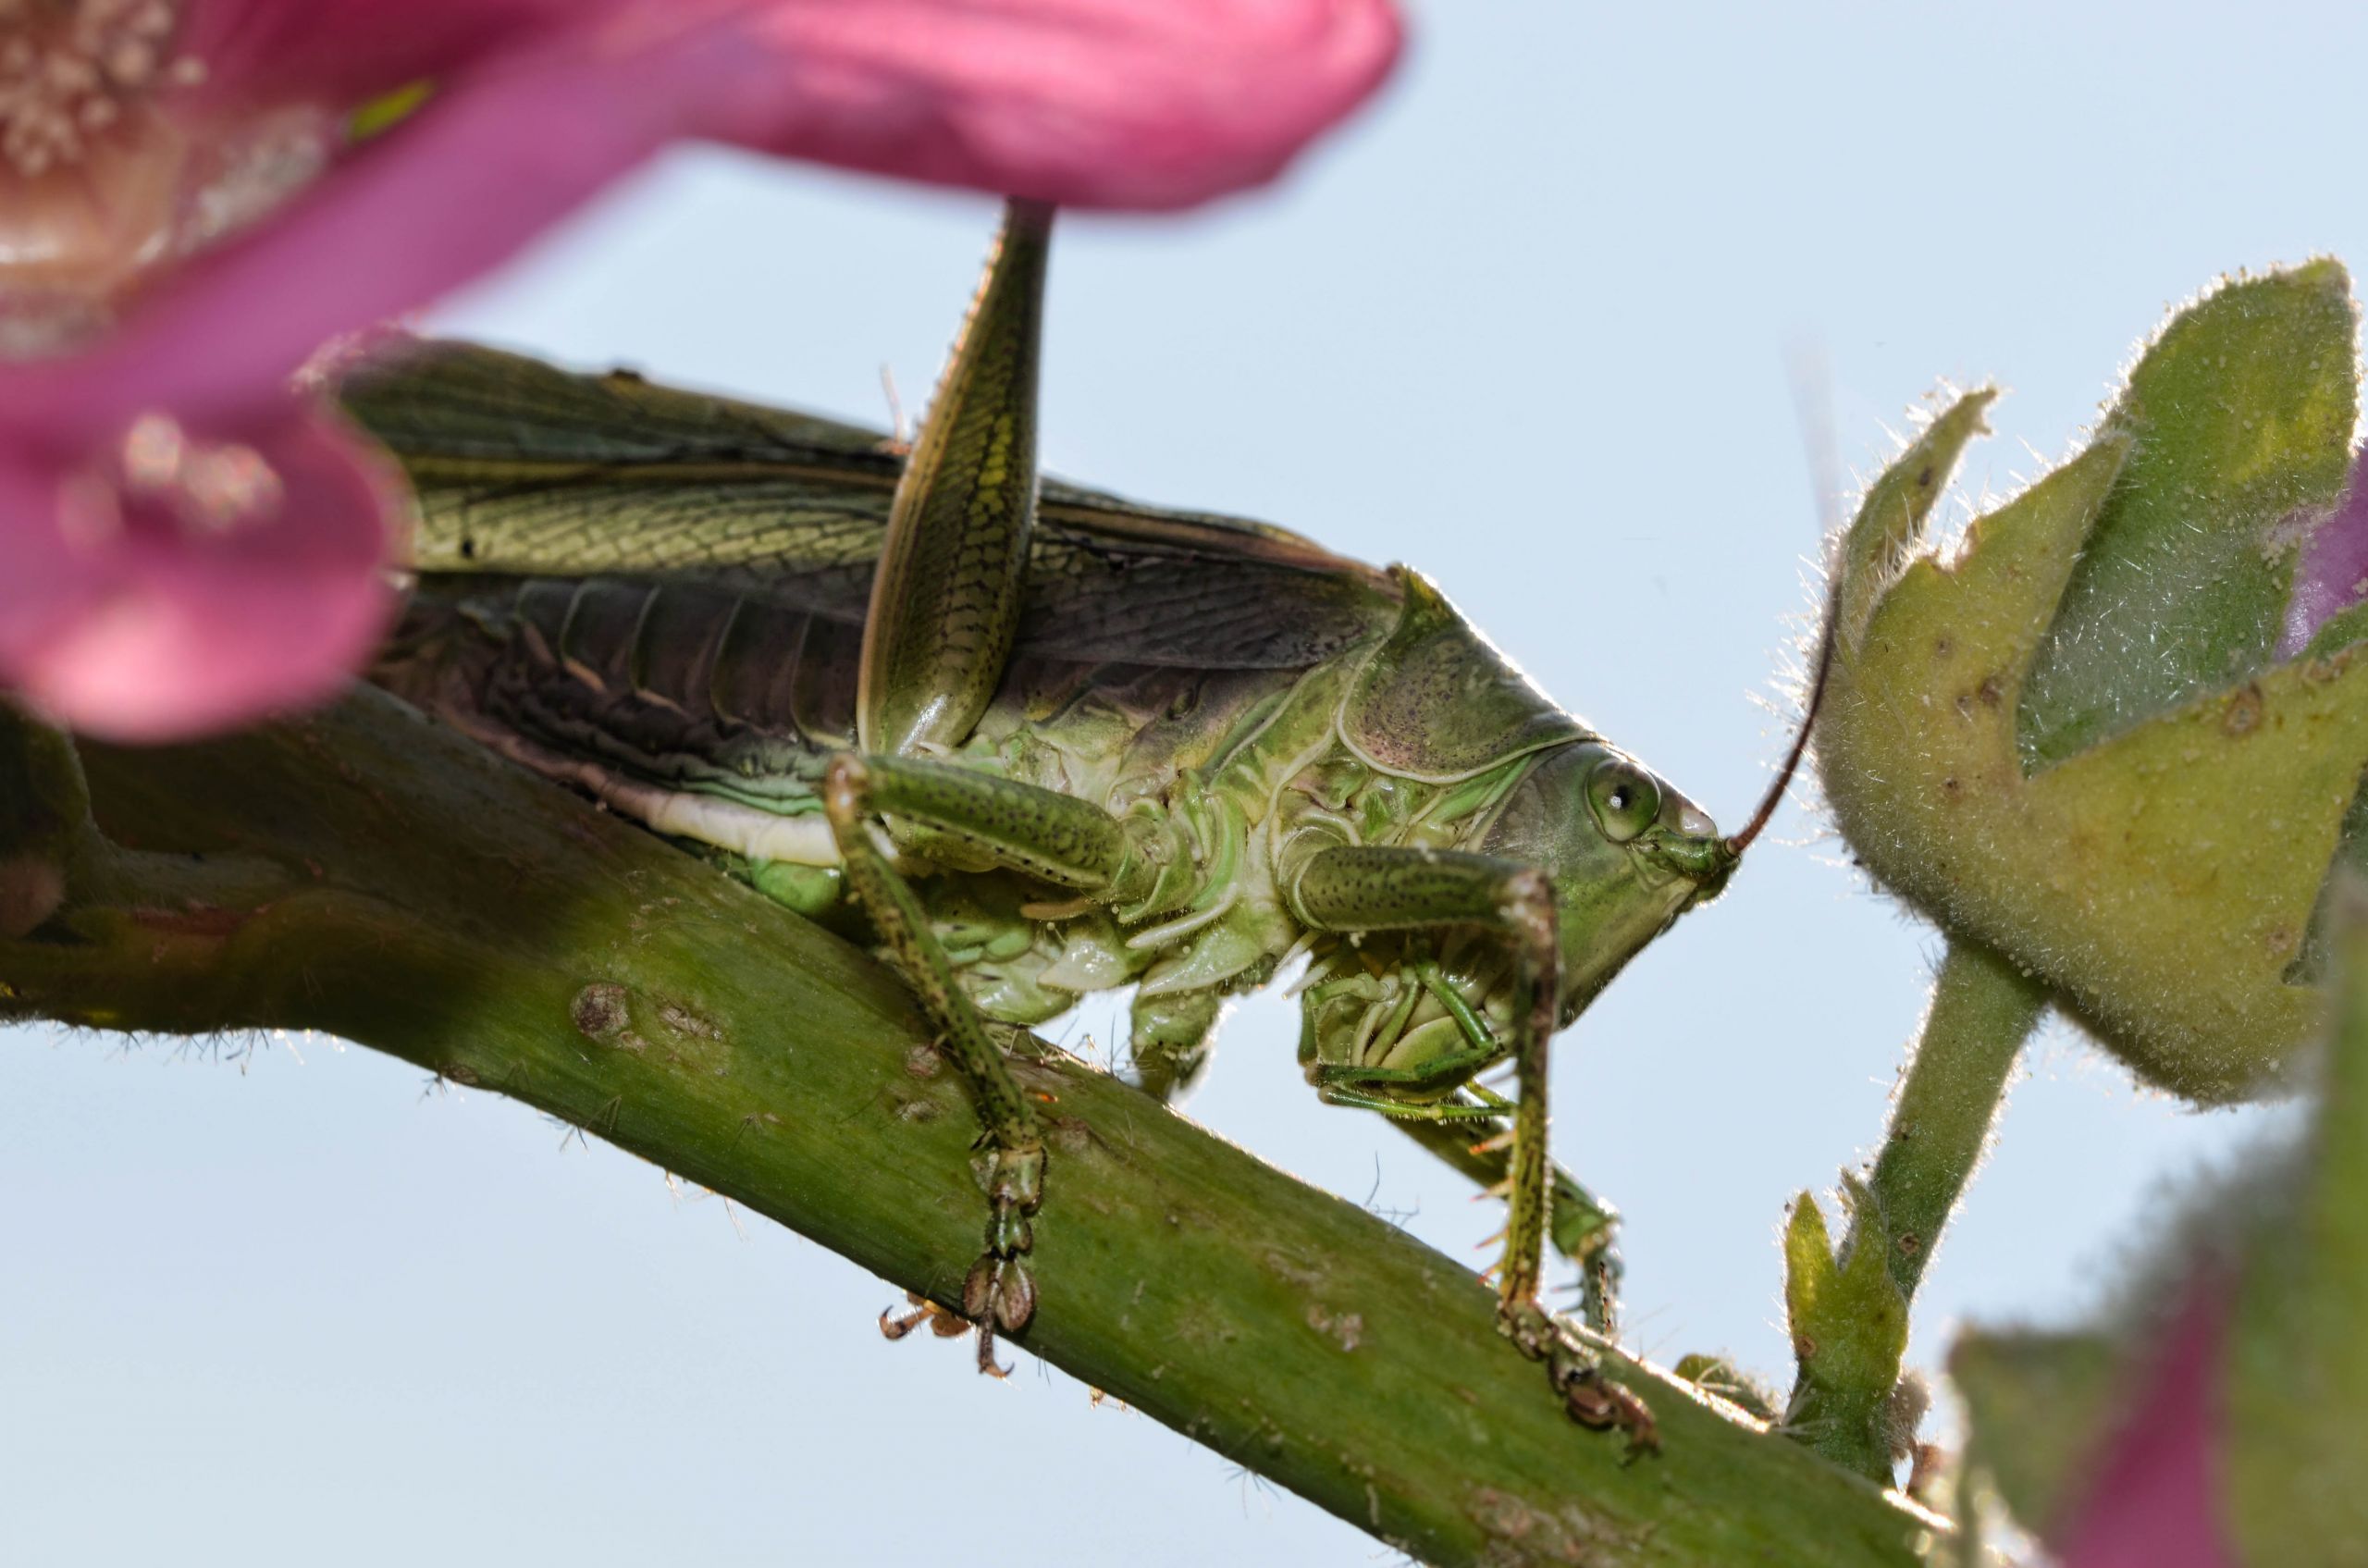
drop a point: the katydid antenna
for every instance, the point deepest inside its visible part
(1813, 406)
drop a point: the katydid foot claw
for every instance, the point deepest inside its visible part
(999, 1292)
(1597, 1403)
(943, 1324)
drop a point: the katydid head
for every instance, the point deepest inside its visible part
(1408, 1019)
(1626, 851)
(1652, 854)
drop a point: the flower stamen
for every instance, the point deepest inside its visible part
(69, 69)
(205, 487)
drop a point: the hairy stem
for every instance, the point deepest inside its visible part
(367, 873)
(1848, 1309)
(1984, 1009)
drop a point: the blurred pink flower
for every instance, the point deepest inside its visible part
(2155, 1503)
(195, 196)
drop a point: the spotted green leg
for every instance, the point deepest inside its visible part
(1377, 888)
(1579, 1225)
(944, 611)
(1049, 836)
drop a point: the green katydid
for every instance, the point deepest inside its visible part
(1041, 746)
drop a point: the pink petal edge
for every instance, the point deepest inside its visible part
(1085, 102)
(1082, 103)
(158, 634)
(2154, 1502)
(345, 52)
(2333, 571)
(154, 638)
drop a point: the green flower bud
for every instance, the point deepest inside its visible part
(2074, 742)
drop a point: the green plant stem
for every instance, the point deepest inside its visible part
(1984, 1009)
(1849, 1310)
(367, 873)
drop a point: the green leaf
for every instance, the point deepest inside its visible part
(1849, 1328)
(2039, 1408)
(1719, 1375)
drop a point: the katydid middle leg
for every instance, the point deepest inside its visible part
(1054, 837)
(1375, 888)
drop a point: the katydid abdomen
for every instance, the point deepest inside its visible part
(710, 715)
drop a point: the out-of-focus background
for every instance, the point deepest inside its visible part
(1526, 325)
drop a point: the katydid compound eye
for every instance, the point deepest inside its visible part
(1625, 799)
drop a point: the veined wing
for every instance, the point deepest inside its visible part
(525, 470)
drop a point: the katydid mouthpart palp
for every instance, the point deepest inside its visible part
(1035, 746)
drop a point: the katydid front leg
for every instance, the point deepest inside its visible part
(1375, 888)
(1357, 888)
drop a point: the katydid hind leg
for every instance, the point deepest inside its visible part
(1372, 888)
(946, 596)
(943, 613)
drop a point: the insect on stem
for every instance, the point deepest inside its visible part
(1739, 842)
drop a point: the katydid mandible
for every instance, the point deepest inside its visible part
(1036, 745)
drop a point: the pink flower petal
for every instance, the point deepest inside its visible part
(2154, 1502)
(1085, 103)
(155, 629)
(343, 52)
(1081, 101)
(454, 190)
(148, 632)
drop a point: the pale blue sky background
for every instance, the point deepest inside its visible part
(1524, 326)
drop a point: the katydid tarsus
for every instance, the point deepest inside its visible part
(1034, 745)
